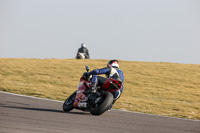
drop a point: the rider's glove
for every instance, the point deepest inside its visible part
(86, 75)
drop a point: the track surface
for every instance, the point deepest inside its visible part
(20, 114)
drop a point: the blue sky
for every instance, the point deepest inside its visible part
(142, 30)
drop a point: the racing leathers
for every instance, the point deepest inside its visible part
(111, 73)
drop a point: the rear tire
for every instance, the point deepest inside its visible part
(104, 106)
(68, 105)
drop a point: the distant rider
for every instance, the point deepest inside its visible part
(112, 71)
(83, 51)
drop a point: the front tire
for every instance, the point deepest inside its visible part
(69, 102)
(104, 106)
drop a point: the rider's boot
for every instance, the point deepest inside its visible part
(111, 105)
(92, 88)
(110, 108)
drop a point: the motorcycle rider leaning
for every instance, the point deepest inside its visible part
(112, 71)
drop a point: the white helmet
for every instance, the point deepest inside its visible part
(83, 45)
(113, 63)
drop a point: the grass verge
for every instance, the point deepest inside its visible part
(168, 89)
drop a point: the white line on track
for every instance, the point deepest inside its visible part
(112, 109)
(30, 96)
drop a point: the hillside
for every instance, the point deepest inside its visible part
(168, 89)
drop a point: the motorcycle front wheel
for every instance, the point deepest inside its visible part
(104, 106)
(69, 102)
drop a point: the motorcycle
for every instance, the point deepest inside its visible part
(82, 56)
(96, 103)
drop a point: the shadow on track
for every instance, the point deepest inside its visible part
(47, 110)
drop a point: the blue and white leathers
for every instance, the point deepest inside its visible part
(110, 72)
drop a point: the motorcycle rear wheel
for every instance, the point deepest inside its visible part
(69, 102)
(104, 106)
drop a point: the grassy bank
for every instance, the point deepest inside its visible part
(157, 88)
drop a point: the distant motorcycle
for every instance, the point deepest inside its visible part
(81, 56)
(96, 103)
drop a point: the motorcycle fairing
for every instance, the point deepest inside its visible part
(79, 95)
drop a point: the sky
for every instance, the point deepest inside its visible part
(131, 30)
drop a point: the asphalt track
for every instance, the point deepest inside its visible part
(20, 114)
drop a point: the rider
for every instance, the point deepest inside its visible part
(112, 71)
(83, 50)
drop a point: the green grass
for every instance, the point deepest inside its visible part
(168, 89)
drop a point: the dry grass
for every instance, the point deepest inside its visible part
(157, 88)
